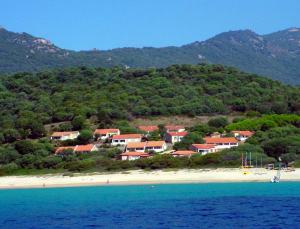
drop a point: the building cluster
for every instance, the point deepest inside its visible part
(136, 146)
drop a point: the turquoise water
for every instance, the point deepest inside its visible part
(232, 205)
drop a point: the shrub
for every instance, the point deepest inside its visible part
(80, 165)
(219, 122)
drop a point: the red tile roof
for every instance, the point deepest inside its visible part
(148, 128)
(106, 131)
(183, 133)
(246, 133)
(84, 148)
(184, 152)
(64, 133)
(127, 136)
(209, 140)
(203, 146)
(63, 148)
(135, 154)
(131, 145)
(155, 143)
(173, 127)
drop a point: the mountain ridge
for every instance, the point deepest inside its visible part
(275, 55)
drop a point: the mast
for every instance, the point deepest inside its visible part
(256, 161)
(250, 159)
(242, 160)
(279, 168)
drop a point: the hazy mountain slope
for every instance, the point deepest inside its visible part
(275, 55)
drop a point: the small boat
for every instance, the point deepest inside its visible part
(275, 179)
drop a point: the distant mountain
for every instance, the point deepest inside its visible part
(275, 55)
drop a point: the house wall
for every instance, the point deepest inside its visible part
(66, 137)
(95, 148)
(225, 146)
(108, 135)
(179, 130)
(189, 155)
(141, 150)
(242, 138)
(202, 151)
(180, 155)
(173, 139)
(73, 136)
(124, 141)
(104, 137)
(156, 149)
(130, 158)
(176, 139)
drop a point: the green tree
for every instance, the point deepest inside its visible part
(85, 137)
(78, 123)
(8, 155)
(154, 136)
(188, 140)
(25, 147)
(219, 122)
(11, 135)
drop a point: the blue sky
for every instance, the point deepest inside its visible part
(106, 24)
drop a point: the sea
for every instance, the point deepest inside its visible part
(211, 205)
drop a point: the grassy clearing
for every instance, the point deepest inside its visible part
(179, 120)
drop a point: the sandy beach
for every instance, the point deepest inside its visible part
(144, 177)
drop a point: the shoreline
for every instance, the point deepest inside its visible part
(140, 177)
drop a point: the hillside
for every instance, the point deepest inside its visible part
(275, 55)
(32, 105)
(27, 100)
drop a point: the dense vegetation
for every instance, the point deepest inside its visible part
(266, 146)
(28, 101)
(275, 55)
(84, 98)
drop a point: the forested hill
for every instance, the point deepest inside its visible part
(276, 55)
(28, 100)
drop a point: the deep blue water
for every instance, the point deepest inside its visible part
(233, 205)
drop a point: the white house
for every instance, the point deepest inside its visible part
(66, 135)
(204, 149)
(173, 137)
(124, 139)
(104, 134)
(222, 143)
(242, 135)
(173, 128)
(156, 146)
(133, 156)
